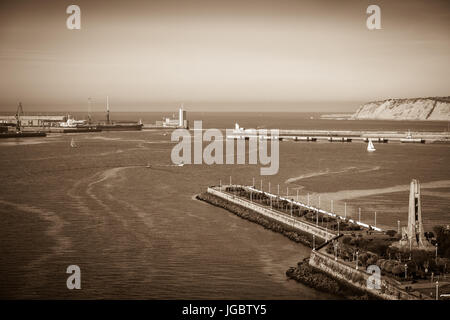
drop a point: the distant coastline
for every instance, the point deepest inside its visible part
(423, 109)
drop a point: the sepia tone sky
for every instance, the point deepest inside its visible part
(221, 55)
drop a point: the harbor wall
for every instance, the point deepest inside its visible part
(358, 278)
(285, 219)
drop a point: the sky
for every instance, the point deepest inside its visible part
(221, 55)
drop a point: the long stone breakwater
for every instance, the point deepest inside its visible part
(322, 270)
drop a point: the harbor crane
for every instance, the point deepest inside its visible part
(19, 113)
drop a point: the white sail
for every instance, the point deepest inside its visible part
(370, 146)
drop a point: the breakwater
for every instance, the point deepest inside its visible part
(305, 273)
(248, 214)
(290, 221)
(322, 270)
(389, 289)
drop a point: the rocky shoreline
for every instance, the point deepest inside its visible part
(247, 214)
(314, 278)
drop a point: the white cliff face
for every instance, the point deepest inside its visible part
(406, 109)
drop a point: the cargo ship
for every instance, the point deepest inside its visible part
(118, 125)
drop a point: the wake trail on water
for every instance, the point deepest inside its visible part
(54, 231)
(329, 172)
(352, 194)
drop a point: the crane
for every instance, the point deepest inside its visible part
(19, 113)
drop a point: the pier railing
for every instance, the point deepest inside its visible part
(315, 209)
(291, 221)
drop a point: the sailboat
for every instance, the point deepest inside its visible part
(73, 144)
(370, 147)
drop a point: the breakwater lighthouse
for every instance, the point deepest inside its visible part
(413, 234)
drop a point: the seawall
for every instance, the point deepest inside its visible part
(389, 290)
(276, 216)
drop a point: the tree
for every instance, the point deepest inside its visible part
(391, 233)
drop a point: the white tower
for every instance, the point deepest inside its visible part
(413, 233)
(182, 121)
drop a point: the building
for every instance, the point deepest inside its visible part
(34, 121)
(173, 122)
(413, 234)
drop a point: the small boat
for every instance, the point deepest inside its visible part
(370, 146)
(148, 165)
(409, 138)
(73, 144)
(180, 164)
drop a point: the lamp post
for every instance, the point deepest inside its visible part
(261, 186)
(297, 195)
(319, 202)
(253, 185)
(220, 185)
(278, 191)
(308, 199)
(230, 180)
(345, 210)
(406, 271)
(357, 253)
(269, 187)
(375, 219)
(437, 290)
(436, 252)
(359, 215)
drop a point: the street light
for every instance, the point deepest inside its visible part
(359, 215)
(375, 219)
(357, 253)
(437, 290)
(436, 251)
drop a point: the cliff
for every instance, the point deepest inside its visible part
(406, 109)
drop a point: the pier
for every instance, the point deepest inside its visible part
(290, 216)
(271, 213)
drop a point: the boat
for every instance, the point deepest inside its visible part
(118, 125)
(370, 147)
(409, 139)
(180, 164)
(148, 165)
